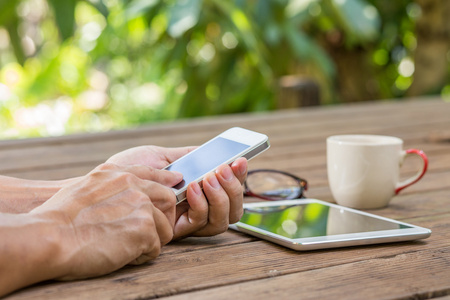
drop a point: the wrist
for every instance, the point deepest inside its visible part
(31, 252)
(22, 195)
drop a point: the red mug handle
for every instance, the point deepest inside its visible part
(415, 178)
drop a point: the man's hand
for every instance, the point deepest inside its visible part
(203, 213)
(112, 217)
(122, 212)
(220, 204)
(152, 156)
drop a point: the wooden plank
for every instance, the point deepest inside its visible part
(96, 152)
(313, 169)
(213, 125)
(426, 277)
(253, 262)
(228, 264)
(280, 123)
(416, 108)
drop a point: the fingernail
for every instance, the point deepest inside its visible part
(226, 173)
(178, 174)
(241, 167)
(196, 188)
(213, 182)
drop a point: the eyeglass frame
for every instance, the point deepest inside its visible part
(303, 184)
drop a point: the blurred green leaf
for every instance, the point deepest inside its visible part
(7, 13)
(307, 50)
(100, 6)
(358, 18)
(151, 60)
(16, 41)
(183, 16)
(65, 16)
(10, 20)
(137, 8)
(297, 10)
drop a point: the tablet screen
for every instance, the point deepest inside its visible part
(313, 220)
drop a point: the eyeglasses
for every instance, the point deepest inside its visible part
(274, 185)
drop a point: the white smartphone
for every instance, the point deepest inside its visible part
(309, 224)
(223, 149)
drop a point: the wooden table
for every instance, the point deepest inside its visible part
(234, 265)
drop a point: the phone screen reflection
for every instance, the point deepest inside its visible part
(313, 220)
(205, 159)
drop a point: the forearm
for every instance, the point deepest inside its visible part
(29, 251)
(22, 195)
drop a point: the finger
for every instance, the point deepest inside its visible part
(218, 207)
(182, 206)
(163, 226)
(172, 154)
(193, 213)
(162, 197)
(164, 177)
(167, 178)
(233, 187)
(158, 233)
(240, 169)
(143, 259)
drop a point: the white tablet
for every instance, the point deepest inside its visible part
(309, 224)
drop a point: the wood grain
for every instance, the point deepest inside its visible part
(234, 265)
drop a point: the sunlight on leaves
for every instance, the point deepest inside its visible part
(110, 64)
(358, 18)
(183, 16)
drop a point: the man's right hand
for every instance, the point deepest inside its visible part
(113, 216)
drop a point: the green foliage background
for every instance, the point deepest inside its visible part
(91, 65)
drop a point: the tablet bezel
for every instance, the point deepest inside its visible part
(332, 241)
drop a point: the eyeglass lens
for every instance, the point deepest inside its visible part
(276, 186)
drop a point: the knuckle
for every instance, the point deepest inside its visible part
(154, 248)
(144, 221)
(152, 243)
(237, 191)
(107, 166)
(165, 192)
(203, 222)
(137, 197)
(136, 204)
(149, 172)
(169, 201)
(171, 197)
(126, 178)
(147, 223)
(166, 238)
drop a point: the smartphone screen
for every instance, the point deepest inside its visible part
(205, 159)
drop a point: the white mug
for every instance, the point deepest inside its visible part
(363, 170)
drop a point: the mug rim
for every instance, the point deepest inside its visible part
(365, 140)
